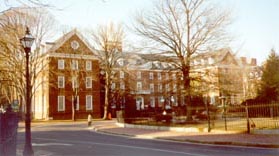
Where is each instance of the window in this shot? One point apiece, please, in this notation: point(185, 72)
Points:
point(121, 74)
point(88, 65)
point(139, 85)
point(113, 86)
point(161, 101)
point(74, 82)
point(167, 76)
point(88, 82)
point(159, 76)
point(61, 103)
point(152, 102)
point(151, 76)
point(174, 87)
point(122, 85)
point(139, 75)
point(121, 62)
point(74, 64)
point(60, 64)
point(77, 104)
point(167, 87)
point(173, 76)
point(88, 102)
point(160, 88)
point(61, 82)
point(151, 86)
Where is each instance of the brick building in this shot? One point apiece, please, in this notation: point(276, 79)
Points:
point(71, 71)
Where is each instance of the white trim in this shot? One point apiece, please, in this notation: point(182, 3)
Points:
point(61, 64)
point(63, 82)
point(63, 103)
point(88, 65)
point(89, 103)
point(88, 82)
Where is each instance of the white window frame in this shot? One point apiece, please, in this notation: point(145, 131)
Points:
point(77, 108)
point(159, 75)
point(61, 79)
point(74, 64)
point(167, 76)
point(112, 85)
point(139, 86)
point(139, 75)
point(151, 75)
point(61, 64)
point(88, 65)
point(152, 101)
point(160, 88)
point(61, 103)
point(89, 102)
point(174, 88)
point(122, 85)
point(121, 74)
point(88, 83)
point(151, 87)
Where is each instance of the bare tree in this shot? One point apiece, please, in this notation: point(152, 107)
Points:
point(108, 39)
point(13, 23)
point(184, 28)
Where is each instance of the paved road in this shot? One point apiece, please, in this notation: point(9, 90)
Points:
point(75, 139)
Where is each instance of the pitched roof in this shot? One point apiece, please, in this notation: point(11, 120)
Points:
point(58, 43)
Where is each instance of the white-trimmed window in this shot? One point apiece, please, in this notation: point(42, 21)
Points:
point(61, 64)
point(139, 75)
point(113, 86)
point(88, 65)
point(75, 64)
point(161, 101)
point(88, 104)
point(74, 82)
point(121, 75)
point(122, 85)
point(174, 88)
point(88, 82)
point(77, 104)
point(174, 76)
point(61, 81)
point(167, 87)
point(61, 103)
point(160, 88)
point(159, 75)
point(151, 75)
point(139, 86)
point(151, 87)
point(152, 102)
point(167, 76)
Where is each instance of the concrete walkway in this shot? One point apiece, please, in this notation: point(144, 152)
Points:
point(215, 137)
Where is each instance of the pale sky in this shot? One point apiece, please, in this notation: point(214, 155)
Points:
point(255, 26)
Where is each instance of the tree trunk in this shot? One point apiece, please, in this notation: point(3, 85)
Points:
point(186, 78)
point(106, 110)
point(74, 108)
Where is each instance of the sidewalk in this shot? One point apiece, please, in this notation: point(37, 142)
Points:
point(217, 137)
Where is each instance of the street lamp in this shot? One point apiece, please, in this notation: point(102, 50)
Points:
point(27, 42)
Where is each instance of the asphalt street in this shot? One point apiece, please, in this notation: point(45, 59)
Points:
point(75, 139)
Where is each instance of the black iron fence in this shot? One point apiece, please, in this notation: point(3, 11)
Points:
point(244, 117)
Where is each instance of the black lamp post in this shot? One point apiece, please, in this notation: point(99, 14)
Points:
point(27, 42)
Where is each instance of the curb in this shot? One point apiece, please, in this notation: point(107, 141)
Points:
point(190, 140)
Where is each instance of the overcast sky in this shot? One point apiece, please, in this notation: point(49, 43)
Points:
point(255, 25)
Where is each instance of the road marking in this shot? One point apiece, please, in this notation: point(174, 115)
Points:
point(125, 146)
point(51, 144)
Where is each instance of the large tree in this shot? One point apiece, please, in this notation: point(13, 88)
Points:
point(108, 41)
point(270, 78)
point(13, 23)
point(184, 28)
